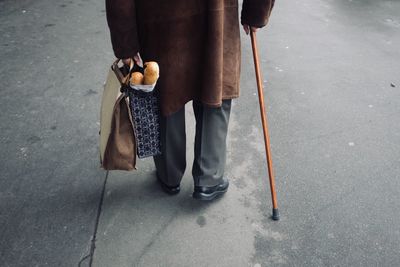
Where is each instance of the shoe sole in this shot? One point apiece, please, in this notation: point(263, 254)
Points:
point(208, 197)
point(167, 190)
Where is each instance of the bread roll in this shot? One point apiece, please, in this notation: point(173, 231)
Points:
point(137, 78)
point(151, 72)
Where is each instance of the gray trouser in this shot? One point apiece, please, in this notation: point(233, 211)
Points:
point(209, 149)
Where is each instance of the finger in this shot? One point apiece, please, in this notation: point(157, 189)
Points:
point(254, 29)
point(126, 61)
point(138, 59)
point(246, 28)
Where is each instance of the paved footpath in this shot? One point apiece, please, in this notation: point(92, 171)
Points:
point(332, 85)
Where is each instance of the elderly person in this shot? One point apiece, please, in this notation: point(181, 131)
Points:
point(197, 46)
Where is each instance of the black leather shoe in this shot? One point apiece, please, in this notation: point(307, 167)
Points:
point(210, 192)
point(171, 190)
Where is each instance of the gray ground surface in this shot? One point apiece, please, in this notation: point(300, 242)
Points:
point(334, 125)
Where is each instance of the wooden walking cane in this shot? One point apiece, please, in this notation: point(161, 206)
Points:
point(275, 212)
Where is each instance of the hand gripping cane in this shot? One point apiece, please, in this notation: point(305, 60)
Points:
point(275, 212)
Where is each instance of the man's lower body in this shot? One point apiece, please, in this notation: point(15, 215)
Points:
point(209, 150)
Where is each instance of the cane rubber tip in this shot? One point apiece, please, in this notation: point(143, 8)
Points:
point(275, 214)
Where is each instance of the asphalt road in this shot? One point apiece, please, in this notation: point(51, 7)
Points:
point(331, 70)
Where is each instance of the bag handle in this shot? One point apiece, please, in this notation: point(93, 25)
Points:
point(123, 79)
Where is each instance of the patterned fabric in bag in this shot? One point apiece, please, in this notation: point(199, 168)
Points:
point(146, 120)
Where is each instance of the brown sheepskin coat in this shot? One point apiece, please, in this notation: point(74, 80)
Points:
point(195, 42)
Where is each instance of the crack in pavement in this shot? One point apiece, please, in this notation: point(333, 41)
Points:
point(155, 237)
point(90, 255)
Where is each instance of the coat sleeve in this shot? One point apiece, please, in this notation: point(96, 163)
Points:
point(256, 13)
point(121, 19)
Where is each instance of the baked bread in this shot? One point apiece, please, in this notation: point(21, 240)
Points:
point(151, 72)
point(137, 78)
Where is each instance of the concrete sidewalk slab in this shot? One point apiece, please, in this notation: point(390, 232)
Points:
point(50, 181)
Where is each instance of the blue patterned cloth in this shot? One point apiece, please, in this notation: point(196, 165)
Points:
point(146, 117)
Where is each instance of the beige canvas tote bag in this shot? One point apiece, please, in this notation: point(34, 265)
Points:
point(117, 138)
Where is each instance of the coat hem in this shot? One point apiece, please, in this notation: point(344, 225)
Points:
point(214, 104)
point(218, 104)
